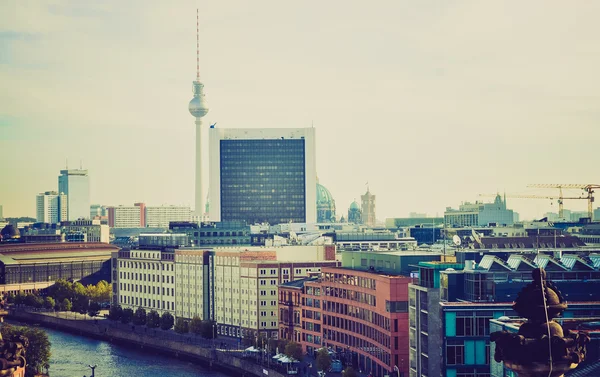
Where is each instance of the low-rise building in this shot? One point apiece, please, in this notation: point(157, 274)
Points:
point(93, 230)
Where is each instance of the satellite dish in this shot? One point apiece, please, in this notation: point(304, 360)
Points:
point(456, 240)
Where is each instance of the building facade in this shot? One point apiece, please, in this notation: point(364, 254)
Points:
point(368, 208)
point(194, 283)
point(263, 175)
point(75, 184)
point(161, 216)
point(93, 230)
point(363, 316)
point(145, 278)
point(51, 207)
point(127, 216)
point(480, 214)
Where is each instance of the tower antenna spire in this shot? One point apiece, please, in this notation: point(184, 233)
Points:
point(197, 46)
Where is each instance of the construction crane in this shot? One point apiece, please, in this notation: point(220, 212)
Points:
point(560, 199)
point(588, 188)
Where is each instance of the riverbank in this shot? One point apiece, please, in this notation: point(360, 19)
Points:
point(103, 329)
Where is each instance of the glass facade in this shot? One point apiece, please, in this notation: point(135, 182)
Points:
point(263, 181)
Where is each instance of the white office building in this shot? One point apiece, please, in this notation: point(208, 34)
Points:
point(160, 217)
point(265, 175)
point(75, 184)
point(51, 207)
point(145, 278)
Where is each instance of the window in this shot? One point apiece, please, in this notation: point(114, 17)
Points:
point(455, 352)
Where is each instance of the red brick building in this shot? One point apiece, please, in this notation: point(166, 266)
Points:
point(361, 315)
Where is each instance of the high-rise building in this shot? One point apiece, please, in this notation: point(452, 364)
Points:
point(198, 108)
point(75, 184)
point(263, 175)
point(368, 208)
point(51, 207)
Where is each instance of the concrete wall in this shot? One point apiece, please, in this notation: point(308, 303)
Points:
point(103, 330)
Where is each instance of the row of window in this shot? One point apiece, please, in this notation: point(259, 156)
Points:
point(142, 289)
point(356, 312)
point(357, 281)
point(147, 277)
point(146, 266)
point(148, 303)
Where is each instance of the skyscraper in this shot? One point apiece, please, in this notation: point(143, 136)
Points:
point(51, 207)
point(263, 175)
point(198, 108)
point(75, 184)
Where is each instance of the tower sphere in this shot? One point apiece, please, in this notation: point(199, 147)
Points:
point(198, 107)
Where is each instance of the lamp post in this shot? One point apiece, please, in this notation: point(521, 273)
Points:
point(93, 367)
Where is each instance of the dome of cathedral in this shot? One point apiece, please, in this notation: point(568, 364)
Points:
point(354, 205)
point(325, 205)
point(323, 195)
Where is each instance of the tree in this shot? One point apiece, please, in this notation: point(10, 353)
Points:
point(49, 303)
point(196, 325)
point(247, 339)
point(38, 352)
point(281, 344)
point(94, 309)
point(80, 298)
point(115, 312)
point(100, 292)
point(349, 372)
point(127, 316)
point(294, 351)
point(181, 326)
point(66, 305)
point(62, 289)
point(153, 319)
point(11, 298)
point(166, 321)
point(323, 360)
point(20, 299)
point(139, 318)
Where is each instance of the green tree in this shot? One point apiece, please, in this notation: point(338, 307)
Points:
point(100, 292)
point(30, 299)
point(181, 326)
point(139, 318)
point(62, 289)
point(38, 352)
point(153, 319)
point(293, 350)
point(11, 298)
point(323, 360)
point(127, 315)
point(20, 299)
point(94, 309)
point(281, 344)
point(66, 305)
point(49, 303)
point(196, 325)
point(115, 312)
point(81, 300)
point(166, 321)
point(349, 372)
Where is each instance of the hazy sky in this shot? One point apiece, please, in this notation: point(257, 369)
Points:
point(431, 102)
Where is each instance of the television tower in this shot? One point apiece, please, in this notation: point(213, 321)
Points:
point(198, 108)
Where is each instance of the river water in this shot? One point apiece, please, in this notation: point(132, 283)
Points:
point(71, 355)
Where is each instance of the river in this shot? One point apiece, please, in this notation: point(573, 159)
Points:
point(71, 355)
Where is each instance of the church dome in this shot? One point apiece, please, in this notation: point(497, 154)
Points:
point(323, 195)
point(325, 205)
point(354, 205)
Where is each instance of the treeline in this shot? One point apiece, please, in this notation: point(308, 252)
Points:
point(166, 321)
point(68, 296)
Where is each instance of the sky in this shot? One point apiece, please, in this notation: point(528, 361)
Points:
point(430, 102)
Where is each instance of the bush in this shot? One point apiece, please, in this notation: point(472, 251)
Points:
point(49, 303)
point(323, 360)
point(294, 350)
point(196, 326)
point(153, 319)
point(66, 305)
point(115, 313)
point(139, 318)
point(94, 309)
point(208, 329)
point(166, 321)
point(127, 316)
point(181, 326)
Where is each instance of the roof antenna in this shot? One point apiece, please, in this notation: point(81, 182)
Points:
point(197, 46)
